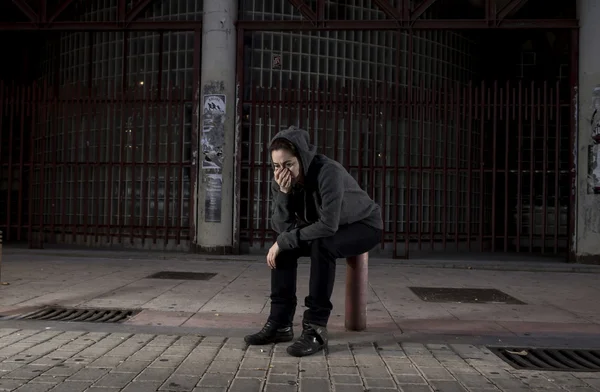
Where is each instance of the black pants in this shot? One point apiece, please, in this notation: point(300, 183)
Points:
point(350, 240)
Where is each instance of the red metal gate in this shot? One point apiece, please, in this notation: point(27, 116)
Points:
point(83, 166)
point(472, 167)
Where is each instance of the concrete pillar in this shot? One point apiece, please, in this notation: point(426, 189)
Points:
point(215, 183)
point(587, 233)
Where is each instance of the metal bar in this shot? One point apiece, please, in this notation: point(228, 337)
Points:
point(68, 109)
point(88, 105)
point(420, 114)
point(252, 158)
point(42, 172)
point(2, 103)
point(323, 108)
point(494, 160)
point(136, 10)
point(98, 169)
point(359, 119)
point(531, 167)
point(25, 98)
point(27, 10)
point(179, 98)
point(196, 156)
point(305, 10)
point(383, 157)
point(421, 9)
point(506, 157)
point(445, 170)
point(34, 104)
point(266, 95)
point(357, 287)
point(388, 9)
point(59, 10)
point(146, 148)
point(545, 166)
point(469, 164)
point(573, 143)
point(457, 205)
point(133, 167)
point(293, 25)
point(141, 25)
point(77, 151)
point(321, 9)
point(433, 91)
point(409, 99)
point(167, 169)
point(124, 130)
point(396, 132)
point(336, 118)
point(371, 137)
point(348, 95)
point(112, 109)
point(557, 146)
point(520, 166)
point(158, 119)
point(14, 97)
point(482, 165)
point(509, 8)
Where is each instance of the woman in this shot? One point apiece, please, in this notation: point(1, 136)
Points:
point(321, 212)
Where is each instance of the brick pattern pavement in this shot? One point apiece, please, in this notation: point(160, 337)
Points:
point(48, 360)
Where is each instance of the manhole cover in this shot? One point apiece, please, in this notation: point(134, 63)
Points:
point(181, 275)
point(548, 359)
point(77, 315)
point(464, 295)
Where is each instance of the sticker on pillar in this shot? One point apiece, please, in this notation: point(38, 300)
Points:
point(212, 200)
point(595, 123)
point(594, 169)
point(213, 131)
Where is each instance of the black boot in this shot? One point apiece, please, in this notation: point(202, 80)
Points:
point(271, 333)
point(313, 339)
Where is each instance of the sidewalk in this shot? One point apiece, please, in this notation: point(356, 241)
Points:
point(236, 301)
point(188, 336)
point(48, 360)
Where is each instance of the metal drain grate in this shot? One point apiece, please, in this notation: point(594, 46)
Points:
point(464, 295)
point(182, 275)
point(77, 315)
point(549, 359)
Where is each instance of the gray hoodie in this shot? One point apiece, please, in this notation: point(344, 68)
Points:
point(337, 199)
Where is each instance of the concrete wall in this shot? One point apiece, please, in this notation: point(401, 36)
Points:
point(588, 204)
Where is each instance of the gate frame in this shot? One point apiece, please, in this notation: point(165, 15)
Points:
point(405, 18)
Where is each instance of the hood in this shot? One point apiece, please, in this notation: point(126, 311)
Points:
point(301, 140)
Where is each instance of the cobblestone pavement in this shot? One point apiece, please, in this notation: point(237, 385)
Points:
point(70, 361)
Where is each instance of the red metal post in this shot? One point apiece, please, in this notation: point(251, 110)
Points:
point(557, 172)
point(507, 119)
point(531, 166)
point(545, 166)
point(447, 106)
point(420, 108)
point(168, 170)
point(433, 91)
point(357, 286)
point(458, 165)
point(520, 167)
point(24, 108)
point(482, 196)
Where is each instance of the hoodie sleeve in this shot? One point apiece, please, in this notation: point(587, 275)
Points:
point(331, 189)
point(282, 218)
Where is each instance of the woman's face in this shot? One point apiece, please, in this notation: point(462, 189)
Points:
point(284, 160)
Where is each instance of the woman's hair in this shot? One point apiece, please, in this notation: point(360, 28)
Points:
point(283, 144)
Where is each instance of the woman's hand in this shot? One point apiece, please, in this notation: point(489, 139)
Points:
point(272, 255)
point(283, 178)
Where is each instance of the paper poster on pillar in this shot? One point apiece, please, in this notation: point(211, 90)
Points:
point(212, 140)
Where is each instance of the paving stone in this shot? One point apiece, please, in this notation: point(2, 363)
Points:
point(115, 380)
point(154, 374)
point(71, 386)
point(216, 380)
point(448, 386)
point(224, 367)
point(281, 388)
point(48, 379)
point(131, 367)
point(141, 386)
point(89, 374)
point(415, 388)
point(249, 373)
point(34, 388)
point(314, 384)
point(64, 370)
point(28, 372)
point(9, 384)
point(346, 379)
point(379, 383)
point(436, 373)
point(410, 379)
point(345, 370)
point(180, 383)
point(282, 378)
point(283, 368)
point(348, 388)
point(246, 385)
